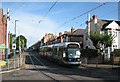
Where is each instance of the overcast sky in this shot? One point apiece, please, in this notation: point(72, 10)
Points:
point(30, 13)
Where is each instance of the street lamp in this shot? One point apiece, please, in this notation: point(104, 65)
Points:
point(15, 43)
point(7, 48)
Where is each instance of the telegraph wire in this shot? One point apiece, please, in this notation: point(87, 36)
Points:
point(49, 10)
point(84, 13)
point(17, 8)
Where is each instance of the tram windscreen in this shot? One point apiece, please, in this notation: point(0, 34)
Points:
point(73, 46)
point(73, 53)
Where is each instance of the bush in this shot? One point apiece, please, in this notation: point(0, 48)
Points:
point(117, 52)
point(89, 53)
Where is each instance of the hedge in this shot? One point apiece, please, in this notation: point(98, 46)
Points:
point(117, 52)
point(89, 53)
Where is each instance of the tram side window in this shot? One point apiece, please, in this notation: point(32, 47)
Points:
point(55, 51)
point(60, 52)
point(50, 51)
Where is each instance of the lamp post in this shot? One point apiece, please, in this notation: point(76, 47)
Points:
point(15, 43)
point(7, 48)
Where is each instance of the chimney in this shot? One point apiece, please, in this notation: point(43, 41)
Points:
point(72, 29)
point(95, 19)
point(60, 34)
point(1, 13)
point(65, 32)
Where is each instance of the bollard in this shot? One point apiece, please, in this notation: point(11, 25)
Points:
point(18, 62)
point(86, 61)
point(14, 63)
point(8, 64)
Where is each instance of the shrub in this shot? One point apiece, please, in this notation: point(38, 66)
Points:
point(89, 53)
point(117, 52)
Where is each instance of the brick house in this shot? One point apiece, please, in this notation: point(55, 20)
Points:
point(3, 26)
point(68, 36)
point(74, 36)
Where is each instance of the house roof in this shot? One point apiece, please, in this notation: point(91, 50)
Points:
point(108, 22)
point(118, 22)
point(104, 23)
point(78, 32)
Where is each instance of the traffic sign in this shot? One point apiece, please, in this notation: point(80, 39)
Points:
point(2, 46)
point(13, 46)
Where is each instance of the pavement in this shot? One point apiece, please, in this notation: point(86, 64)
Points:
point(100, 66)
point(104, 66)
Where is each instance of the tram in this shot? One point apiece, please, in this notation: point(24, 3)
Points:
point(63, 53)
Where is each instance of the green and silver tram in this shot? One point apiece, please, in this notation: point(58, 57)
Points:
point(63, 53)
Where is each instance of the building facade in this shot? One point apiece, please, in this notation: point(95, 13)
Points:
point(119, 10)
point(3, 26)
point(104, 26)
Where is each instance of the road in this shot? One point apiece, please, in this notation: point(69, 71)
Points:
point(37, 68)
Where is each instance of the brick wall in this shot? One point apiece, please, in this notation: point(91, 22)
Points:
point(3, 26)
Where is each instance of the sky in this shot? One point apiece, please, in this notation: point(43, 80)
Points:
point(30, 13)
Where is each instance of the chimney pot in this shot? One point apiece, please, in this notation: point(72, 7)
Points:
point(95, 17)
point(60, 34)
point(72, 29)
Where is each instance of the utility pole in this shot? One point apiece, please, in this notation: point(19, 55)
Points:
point(88, 24)
point(7, 48)
point(88, 31)
point(20, 51)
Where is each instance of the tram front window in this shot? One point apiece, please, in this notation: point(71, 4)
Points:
point(73, 53)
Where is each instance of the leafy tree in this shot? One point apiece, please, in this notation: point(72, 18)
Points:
point(12, 39)
point(23, 42)
point(95, 37)
point(105, 39)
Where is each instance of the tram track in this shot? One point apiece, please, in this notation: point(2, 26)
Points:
point(39, 70)
point(60, 73)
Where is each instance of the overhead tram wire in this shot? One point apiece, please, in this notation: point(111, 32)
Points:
point(49, 10)
point(17, 8)
point(84, 13)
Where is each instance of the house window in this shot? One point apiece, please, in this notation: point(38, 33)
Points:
point(114, 41)
point(109, 32)
point(115, 46)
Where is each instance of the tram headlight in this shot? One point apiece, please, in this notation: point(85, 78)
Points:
point(78, 53)
point(78, 59)
point(69, 59)
point(64, 55)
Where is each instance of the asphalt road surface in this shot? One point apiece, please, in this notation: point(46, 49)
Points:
point(38, 68)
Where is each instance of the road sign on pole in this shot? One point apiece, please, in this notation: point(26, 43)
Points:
point(13, 46)
point(2, 46)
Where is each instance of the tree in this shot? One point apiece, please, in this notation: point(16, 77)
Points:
point(103, 39)
point(23, 42)
point(12, 39)
point(97, 38)
point(107, 40)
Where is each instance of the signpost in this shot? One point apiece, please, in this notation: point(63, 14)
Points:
point(2, 46)
point(13, 46)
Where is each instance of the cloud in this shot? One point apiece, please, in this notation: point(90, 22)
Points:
point(29, 26)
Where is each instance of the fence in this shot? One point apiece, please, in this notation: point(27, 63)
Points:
point(14, 63)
